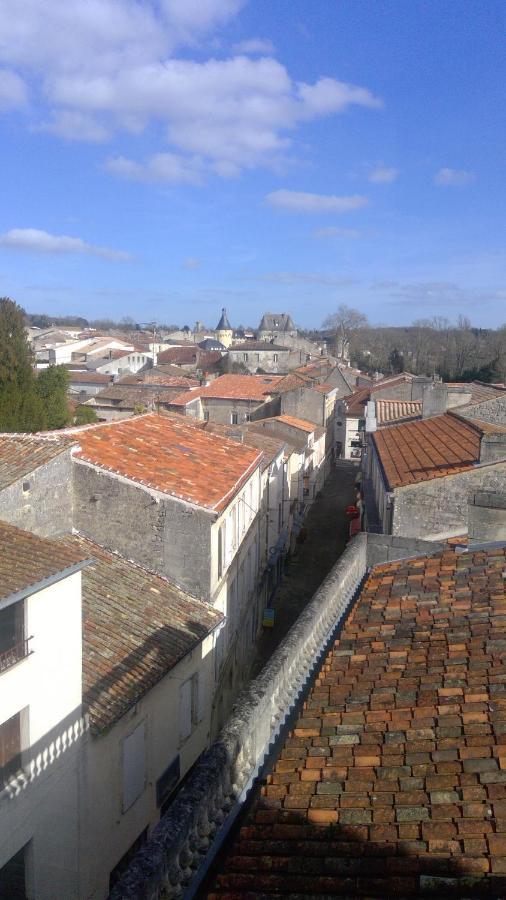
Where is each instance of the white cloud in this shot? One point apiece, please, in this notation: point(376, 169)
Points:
point(300, 201)
point(453, 177)
point(105, 66)
point(332, 231)
point(163, 167)
point(77, 126)
point(13, 91)
point(33, 240)
point(331, 96)
point(383, 175)
point(255, 46)
point(192, 263)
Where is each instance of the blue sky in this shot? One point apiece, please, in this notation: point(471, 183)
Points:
point(163, 158)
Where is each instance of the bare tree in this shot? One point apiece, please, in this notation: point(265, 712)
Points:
point(344, 322)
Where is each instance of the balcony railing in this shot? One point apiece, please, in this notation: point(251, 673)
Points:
point(15, 654)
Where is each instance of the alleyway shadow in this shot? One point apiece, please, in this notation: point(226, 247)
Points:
point(327, 534)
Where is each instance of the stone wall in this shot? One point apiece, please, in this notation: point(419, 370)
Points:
point(45, 505)
point(487, 517)
point(303, 403)
point(388, 548)
point(221, 411)
point(164, 535)
point(493, 411)
point(439, 508)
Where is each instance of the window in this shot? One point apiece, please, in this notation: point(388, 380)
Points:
point(221, 549)
point(191, 710)
point(245, 357)
point(13, 645)
point(234, 418)
point(26, 487)
point(10, 746)
point(258, 357)
point(167, 782)
point(206, 415)
point(134, 765)
point(275, 357)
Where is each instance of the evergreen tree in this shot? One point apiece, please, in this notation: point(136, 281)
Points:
point(85, 415)
point(21, 408)
point(52, 385)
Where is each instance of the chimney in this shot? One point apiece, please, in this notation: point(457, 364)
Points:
point(486, 518)
point(434, 399)
point(370, 416)
point(493, 447)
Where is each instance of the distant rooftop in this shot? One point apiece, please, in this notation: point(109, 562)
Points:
point(276, 322)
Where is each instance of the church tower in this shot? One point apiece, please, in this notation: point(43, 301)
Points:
point(224, 329)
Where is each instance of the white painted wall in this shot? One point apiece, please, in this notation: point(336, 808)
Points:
point(41, 807)
point(109, 830)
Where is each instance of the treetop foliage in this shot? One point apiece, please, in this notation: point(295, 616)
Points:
point(28, 402)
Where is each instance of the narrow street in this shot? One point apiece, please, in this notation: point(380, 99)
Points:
point(327, 533)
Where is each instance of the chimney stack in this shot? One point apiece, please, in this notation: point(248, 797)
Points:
point(486, 518)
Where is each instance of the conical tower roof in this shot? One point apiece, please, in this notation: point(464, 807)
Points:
point(224, 324)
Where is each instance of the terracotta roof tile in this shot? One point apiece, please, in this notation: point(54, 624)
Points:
point(136, 627)
point(429, 448)
point(171, 456)
point(301, 424)
point(27, 560)
point(393, 775)
point(234, 387)
point(356, 401)
point(21, 454)
point(89, 378)
point(390, 411)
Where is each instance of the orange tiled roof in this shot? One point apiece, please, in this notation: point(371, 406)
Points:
point(356, 401)
point(234, 387)
point(301, 424)
point(171, 456)
point(21, 454)
point(393, 775)
point(430, 448)
point(389, 411)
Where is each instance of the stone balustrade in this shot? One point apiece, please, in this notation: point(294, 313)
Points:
point(183, 838)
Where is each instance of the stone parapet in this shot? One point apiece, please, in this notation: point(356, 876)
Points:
point(183, 838)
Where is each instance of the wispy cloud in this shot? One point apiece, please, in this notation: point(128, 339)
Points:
point(300, 201)
point(192, 263)
point(294, 278)
point(333, 231)
point(13, 92)
point(33, 240)
point(383, 175)
point(255, 46)
point(453, 177)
